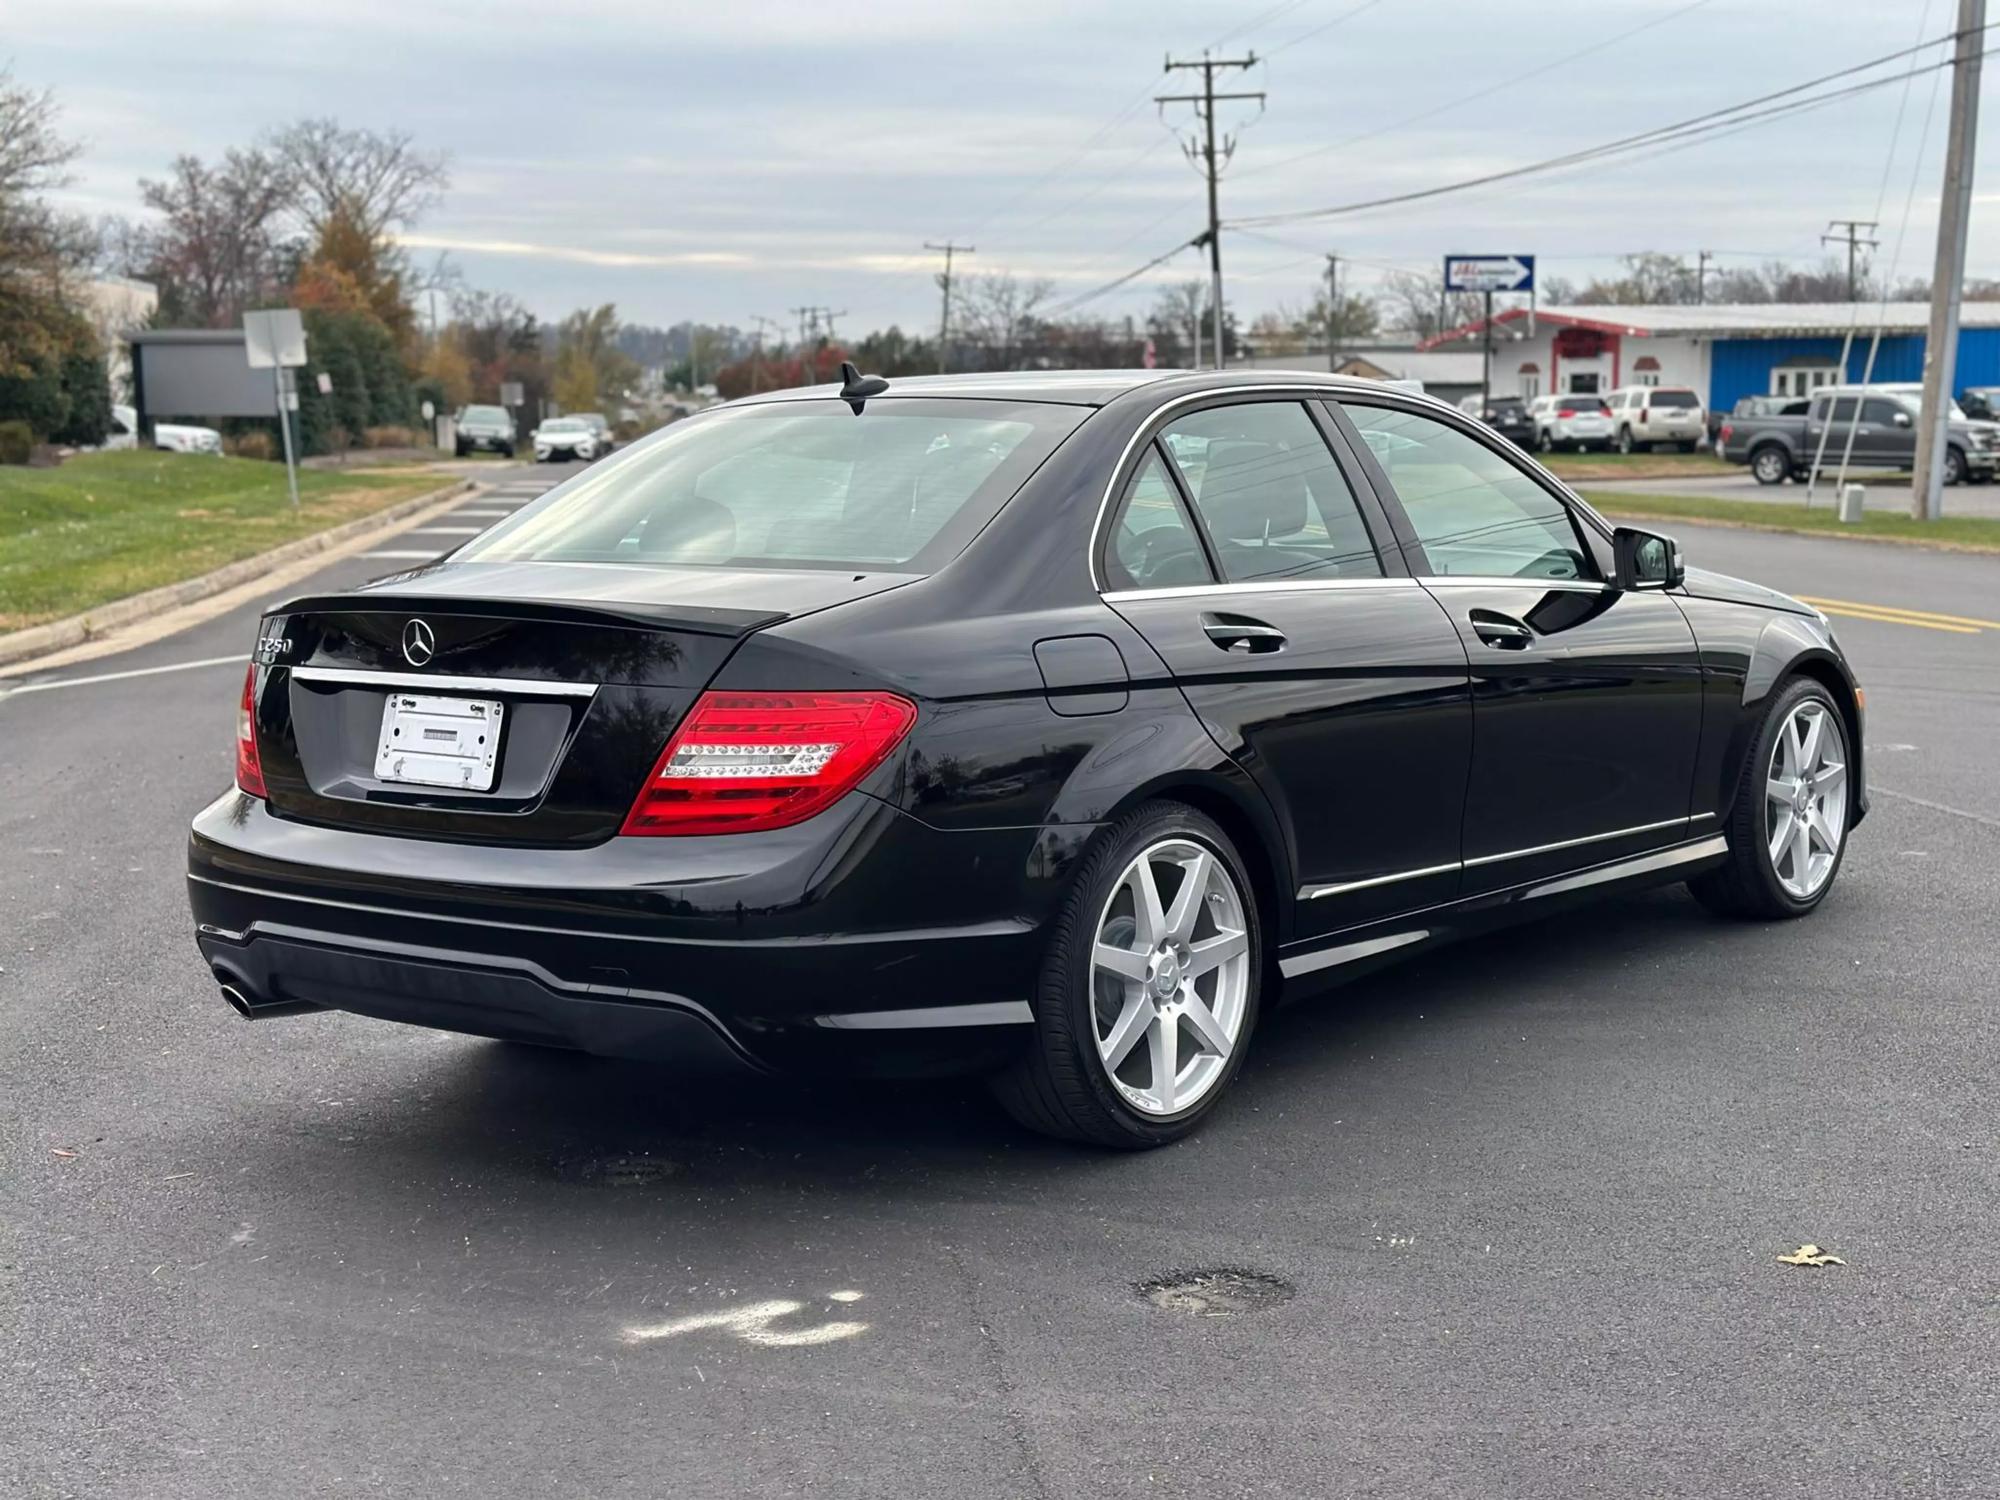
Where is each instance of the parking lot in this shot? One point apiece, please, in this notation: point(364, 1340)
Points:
point(1503, 1221)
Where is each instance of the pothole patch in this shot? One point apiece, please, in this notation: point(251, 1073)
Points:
point(1224, 1292)
point(641, 1170)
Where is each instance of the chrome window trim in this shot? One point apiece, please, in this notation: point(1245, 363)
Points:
point(366, 677)
point(1314, 892)
point(1150, 429)
point(1495, 580)
point(1256, 586)
point(1639, 864)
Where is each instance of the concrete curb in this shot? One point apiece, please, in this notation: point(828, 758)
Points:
point(60, 635)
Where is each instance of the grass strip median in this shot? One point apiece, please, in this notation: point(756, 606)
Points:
point(1576, 467)
point(1953, 533)
point(105, 525)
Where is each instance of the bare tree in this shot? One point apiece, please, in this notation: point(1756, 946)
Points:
point(382, 180)
point(1178, 320)
point(35, 240)
point(217, 248)
point(999, 314)
point(1416, 305)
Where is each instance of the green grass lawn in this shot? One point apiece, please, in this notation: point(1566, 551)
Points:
point(1964, 533)
point(105, 525)
point(1575, 466)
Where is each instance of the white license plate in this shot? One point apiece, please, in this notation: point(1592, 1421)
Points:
point(428, 741)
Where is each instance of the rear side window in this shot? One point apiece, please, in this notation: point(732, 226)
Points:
point(1675, 399)
point(1152, 544)
point(903, 485)
point(1473, 511)
point(1274, 503)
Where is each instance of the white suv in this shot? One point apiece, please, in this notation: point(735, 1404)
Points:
point(1649, 415)
point(1572, 420)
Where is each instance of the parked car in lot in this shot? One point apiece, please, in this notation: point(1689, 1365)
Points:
point(1752, 407)
point(1506, 415)
point(827, 729)
point(1646, 417)
point(1980, 402)
point(596, 422)
point(566, 438)
point(1868, 427)
point(174, 437)
point(1573, 421)
point(488, 428)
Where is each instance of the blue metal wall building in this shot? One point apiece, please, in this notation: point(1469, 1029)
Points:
point(1742, 367)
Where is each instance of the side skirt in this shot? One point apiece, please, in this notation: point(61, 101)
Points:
point(1361, 949)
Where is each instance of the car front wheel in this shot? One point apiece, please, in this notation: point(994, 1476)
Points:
point(1770, 465)
point(1149, 987)
point(1787, 827)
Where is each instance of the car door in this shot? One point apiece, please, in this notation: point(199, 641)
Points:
point(1271, 586)
point(1828, 424)
point(1887, 434)
point(1586, 700)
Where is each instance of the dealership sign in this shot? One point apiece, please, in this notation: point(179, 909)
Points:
point(1489, 273)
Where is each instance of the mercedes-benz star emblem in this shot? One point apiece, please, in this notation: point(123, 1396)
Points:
point(419, 644)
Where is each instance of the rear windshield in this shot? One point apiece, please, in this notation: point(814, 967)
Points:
point(793, 484)
point(485, 414)
point(1678, 400)
point(1580, 403)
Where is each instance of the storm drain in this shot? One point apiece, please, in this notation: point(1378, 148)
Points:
point(617, 1171)
point(1222, 1293)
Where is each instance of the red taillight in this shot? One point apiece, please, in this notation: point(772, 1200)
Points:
point(249, 769)
point(1566, 413)
point(746, 761)
point(1727, 431)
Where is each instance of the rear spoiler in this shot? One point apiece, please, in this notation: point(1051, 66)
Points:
point(697, 619)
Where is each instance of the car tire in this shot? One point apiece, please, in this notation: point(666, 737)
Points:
point(1954, 466)
point(1625, 443)
point(1066, 1084)
point(1753, 883)
point(1544, 443)
point(460, 445)
point(507, 450)
point(1770, 464)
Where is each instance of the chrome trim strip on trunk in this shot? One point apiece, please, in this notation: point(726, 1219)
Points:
point(988, 1013)
point(1664, 859)
point(366, 677)
point(1314, 892)
point(1348, 953)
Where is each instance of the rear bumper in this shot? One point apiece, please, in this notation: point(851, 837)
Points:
point(862, 941)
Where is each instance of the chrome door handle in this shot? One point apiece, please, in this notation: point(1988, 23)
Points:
point(1241, 634)
point(1500, 630)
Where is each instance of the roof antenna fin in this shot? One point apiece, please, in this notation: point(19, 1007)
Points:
point(856, 388)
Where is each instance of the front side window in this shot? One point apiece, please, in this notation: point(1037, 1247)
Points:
point(1152, 544)
point(1273, 501)
point(1881, 413)
point(1474, 513)
point(904, 484)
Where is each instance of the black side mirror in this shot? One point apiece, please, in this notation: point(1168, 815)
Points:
point(1647, 560)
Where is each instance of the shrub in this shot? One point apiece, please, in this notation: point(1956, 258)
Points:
point(260, 445)
point(393, 437)
point(87, 384)
point(17, 442)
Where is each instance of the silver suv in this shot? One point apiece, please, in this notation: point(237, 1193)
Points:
point(1645, 417)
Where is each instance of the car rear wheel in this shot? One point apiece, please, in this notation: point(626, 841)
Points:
point(1770, 465)
point(1149, 988)
point(1787, 828)
point(1954, 466)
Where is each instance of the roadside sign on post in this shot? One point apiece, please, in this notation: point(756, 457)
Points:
point(275, 340)
point(325, 383)
point(1489, 273)
point(510, 393)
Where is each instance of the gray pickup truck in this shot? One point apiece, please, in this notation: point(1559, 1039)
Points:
point(1884, 421)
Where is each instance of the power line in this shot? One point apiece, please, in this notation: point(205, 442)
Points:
point(1070, 304)
point(1854, 239)
point(1307, 36)
point(1007, 204)
point(1495, 88)
point(1718, 121)
point(1283, 7)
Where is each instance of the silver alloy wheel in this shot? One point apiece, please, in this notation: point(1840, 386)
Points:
point(1170, 968)
point(1805, 800)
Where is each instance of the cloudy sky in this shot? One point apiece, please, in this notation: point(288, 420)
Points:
point(727, 159)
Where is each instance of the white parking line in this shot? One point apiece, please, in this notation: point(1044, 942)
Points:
point(478, 515)
point(66, 682)
point(444, 530)
point(420, 556)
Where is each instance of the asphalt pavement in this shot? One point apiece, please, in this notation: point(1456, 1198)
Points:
point(1519, 1203)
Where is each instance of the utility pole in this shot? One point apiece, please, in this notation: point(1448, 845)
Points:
point(1486, 357)
point(1701, 274)
point(1854, 239)
point(1204, 104)
point(1332, 312)
point(944, 281)
point(757, 352)
point(1948, 278)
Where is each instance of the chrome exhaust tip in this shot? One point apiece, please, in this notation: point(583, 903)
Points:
point(238, 1001)
point(251, 1007)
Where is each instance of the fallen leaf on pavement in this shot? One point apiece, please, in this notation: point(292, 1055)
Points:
point(1810, 1255)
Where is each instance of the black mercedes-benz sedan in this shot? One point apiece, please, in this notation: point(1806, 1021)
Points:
point(1054, 726)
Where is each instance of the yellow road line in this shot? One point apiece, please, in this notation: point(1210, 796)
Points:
point(1882, 617)
point(1898, 610)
